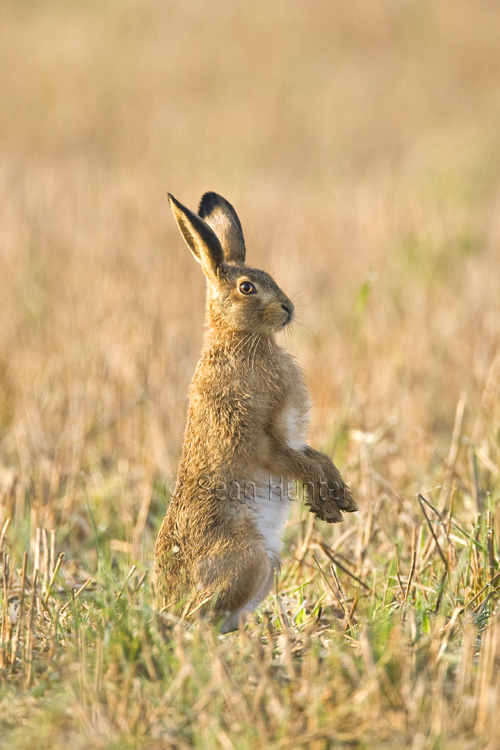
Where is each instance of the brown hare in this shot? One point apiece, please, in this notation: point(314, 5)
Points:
point(219, 545)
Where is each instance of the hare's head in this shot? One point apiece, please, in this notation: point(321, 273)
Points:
point(239, 298)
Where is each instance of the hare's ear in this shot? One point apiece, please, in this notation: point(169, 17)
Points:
point(223, 219)
point(200, 238)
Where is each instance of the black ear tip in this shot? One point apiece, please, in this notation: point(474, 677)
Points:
point(173, 200)
point(208, 202)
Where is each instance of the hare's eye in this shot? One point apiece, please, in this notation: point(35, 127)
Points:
point(246, 287)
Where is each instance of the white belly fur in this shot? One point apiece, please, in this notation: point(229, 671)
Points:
point(270, 509)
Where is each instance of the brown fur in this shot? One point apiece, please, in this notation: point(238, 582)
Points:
point(246, 421)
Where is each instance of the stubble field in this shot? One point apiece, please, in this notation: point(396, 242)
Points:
point(360, 145)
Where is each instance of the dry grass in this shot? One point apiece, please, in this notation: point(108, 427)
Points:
point(360, 146)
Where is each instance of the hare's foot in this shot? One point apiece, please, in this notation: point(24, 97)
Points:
point(233, 622)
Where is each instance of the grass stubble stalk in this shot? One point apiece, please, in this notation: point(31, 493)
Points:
point(29, 644)
point(17, 635)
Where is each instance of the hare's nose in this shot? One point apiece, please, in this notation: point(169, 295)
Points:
point(289, 309)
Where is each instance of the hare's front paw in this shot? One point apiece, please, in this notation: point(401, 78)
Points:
point(330, 495)
point(338, 491)
point(320, 503)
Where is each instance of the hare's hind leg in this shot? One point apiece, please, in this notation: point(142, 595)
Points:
point(239, 578)
point(232, 622)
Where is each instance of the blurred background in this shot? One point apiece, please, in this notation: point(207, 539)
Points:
point(359, 143)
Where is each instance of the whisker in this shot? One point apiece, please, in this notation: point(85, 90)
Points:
point(242, 343)
point(254, 348)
